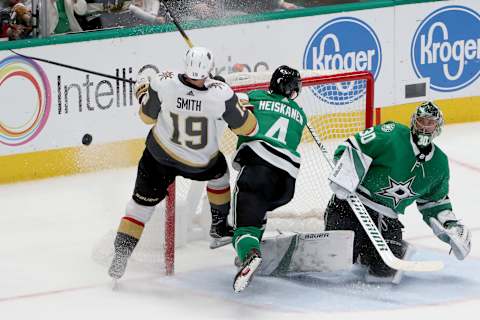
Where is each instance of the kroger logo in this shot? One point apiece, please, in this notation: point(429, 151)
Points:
point(446, 48)
point(343, 44)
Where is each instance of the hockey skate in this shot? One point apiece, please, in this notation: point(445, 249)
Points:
point(247, 270)
point(221, 233)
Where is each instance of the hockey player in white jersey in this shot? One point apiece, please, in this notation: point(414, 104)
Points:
point(185, 109)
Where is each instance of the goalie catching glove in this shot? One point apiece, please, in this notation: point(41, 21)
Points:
point(141, 90)
point(449, 229)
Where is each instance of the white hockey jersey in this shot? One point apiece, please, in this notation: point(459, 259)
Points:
point(188, 120)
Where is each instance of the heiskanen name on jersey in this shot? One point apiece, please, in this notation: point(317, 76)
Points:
point(282, 108)
point(281, 122)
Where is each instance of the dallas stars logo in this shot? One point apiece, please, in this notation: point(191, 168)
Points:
point(398, 191)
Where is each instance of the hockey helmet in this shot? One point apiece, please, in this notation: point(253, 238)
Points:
point(426, 123)
point(198, 63)
point(286, 81)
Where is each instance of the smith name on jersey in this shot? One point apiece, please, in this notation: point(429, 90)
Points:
point(280, 124)
point(397, 178)
point(188, 120)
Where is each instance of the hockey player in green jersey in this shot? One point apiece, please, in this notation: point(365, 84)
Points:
point(390, 166)
point(268, 164)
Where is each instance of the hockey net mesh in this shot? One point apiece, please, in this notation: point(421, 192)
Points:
point(335, 109)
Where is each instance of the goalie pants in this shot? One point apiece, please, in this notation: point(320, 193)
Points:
point(339, 216)
point(154, 178)
point(260, 187)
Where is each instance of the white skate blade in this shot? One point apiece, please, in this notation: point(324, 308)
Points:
point(244, 276)
point(220, 242)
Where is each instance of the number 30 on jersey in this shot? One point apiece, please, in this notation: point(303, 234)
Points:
point(367, 135)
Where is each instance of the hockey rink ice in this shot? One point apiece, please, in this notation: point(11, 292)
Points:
point(50, 227)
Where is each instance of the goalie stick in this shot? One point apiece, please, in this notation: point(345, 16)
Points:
point(371, 229)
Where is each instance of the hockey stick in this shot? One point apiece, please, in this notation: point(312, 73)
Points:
point(73, 67)
point(175, 22)
point(371, 229)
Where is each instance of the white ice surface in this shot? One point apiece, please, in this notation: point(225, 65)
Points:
point(49, 227)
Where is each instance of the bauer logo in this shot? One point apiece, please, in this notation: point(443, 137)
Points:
point(446, 48)
point(347, 44)
point(22, 117)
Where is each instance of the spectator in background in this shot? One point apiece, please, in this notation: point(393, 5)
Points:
point(4, 19)
point(20, 24)
point(73, 16)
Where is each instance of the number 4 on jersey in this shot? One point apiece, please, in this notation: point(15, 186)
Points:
point(278, 130)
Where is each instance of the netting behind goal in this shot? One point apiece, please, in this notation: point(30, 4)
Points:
point(337, 105)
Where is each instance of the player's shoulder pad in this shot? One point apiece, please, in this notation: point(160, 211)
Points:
point(391, 128)
point(219, 88)
point(388, 127)
point(258, 94)
point(162, 78)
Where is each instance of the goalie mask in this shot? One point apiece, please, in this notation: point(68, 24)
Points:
point(198, 63)
point(426, 123)
point(286, 82)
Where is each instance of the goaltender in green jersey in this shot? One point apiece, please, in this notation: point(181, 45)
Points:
point(390, 166)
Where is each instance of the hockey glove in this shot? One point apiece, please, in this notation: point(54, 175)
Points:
point(349, 170)
point(141, 90)
point(450, 230)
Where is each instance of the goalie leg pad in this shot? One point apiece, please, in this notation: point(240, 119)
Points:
point(307, 252)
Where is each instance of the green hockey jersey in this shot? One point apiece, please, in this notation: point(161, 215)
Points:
point(280, 126)
point(399, 174)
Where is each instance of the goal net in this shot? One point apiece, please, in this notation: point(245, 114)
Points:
point(337, 105)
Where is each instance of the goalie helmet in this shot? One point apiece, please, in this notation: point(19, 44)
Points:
point(286, 81)
point(198, 63)
point(426, 123)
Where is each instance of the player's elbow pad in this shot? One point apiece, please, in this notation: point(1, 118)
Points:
point(249, 126)
point(349, 171)
point(255, 129)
